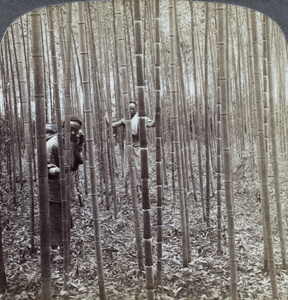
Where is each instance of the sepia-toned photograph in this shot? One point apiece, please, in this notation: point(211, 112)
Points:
point(143, 153)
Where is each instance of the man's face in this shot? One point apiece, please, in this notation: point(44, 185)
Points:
point(133, 110)
point(75, 127)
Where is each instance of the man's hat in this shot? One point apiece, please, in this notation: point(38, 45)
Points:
point(132, 103)
point(74, 118)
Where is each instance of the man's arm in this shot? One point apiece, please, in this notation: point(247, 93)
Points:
point(114, 124)
point(52, 160)
point(118, 123)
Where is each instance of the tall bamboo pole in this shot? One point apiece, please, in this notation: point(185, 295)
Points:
point(265, 83)
point(173, 72)
point(239, 82)
point(27, 64)
point(99, 93)
point(111, 148)
point(129, 46)
point(20, 123)
point(61, 36)
point(47, 116)
point(50, 88)
point(125, 96)
point(174, 189)
point(41, 155)
point(3, 280)
point(28, 154)
point(253, 126)
point(67, 145)
point(186, 130)
point(207, 216)
point(8, 111)
point(140, 85)
point(282, 87)
point(229, 94)
point(251, 72)
point(218, 152)
point(90, 148)
point(262, 156)
point(158, 140)
point(95, 103)
point(182, 119)
point(197, 117)
point(271, 90)
point(226, 151)
point(17, 140)
point(59, 135)
point(117, 76)
point(103, 107)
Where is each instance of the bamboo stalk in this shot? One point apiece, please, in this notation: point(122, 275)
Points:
point(41, 155)
point(129, 44)
point(144, 151)
point(18, 80)
point(158, 141)
point(95, 103)
point(101, 78)
point(13, 123)
point(28, 155)
point(187, 135)
point(65, 201)
point(197, 109)
point(3, 280)
point(90, 148)
point(110, 144)
point(271, 90)
point(218, 152)
point(59, 134)
point(263, 157)
point(226, 151)
point(252, 108)
point(173, 68)
point(207, 216)
point(117, 75)
point(17, 140)
point(5, 78)
point(125, 96)
point(27, 64)
point(239, 88)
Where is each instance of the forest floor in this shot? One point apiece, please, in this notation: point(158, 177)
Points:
point(207, 276)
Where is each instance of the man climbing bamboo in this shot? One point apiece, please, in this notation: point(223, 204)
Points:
point(135, 143)
point(53, 163)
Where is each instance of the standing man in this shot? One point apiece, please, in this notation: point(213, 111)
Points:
point(135, 144)
point(55, 205)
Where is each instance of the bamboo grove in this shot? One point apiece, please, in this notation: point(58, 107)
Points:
point(210, 75)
